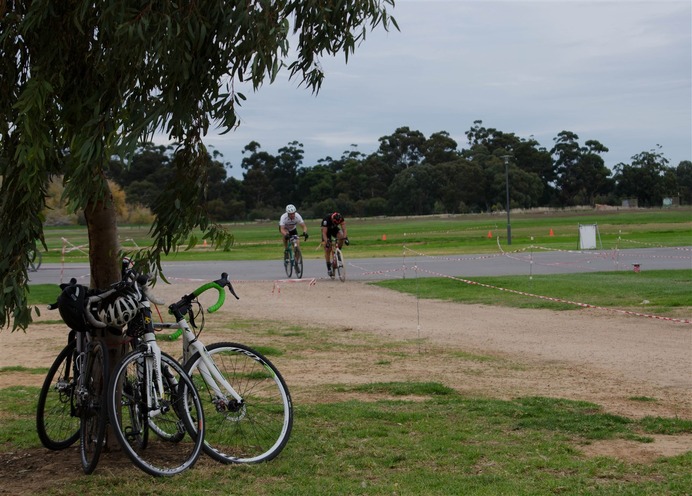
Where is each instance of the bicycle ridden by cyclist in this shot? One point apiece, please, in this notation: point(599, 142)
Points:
point(333, 226)
point(289, 222)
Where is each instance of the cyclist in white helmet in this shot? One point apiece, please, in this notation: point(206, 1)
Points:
point(289, 222)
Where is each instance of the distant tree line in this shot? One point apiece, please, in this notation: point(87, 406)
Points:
point(410, 174)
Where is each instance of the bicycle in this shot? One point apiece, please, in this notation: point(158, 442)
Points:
point(72, 400)
point(35, 259)
point(248, 408)
point(150, 391)
point(293, 257)
point(338, 262)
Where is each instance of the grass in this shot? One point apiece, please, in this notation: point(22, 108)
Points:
point(666, 292)
point(409, 436)
point(391, 437)
point(379, 237)
point(442, 444)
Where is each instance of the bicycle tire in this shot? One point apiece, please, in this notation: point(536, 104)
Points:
point(35, 259)
point(170, 385)
point(56, 423)
point(93, 410)
point(288, 263)
point(180, 411)
point(257, 430)
point(298, 262)
point(340, 267)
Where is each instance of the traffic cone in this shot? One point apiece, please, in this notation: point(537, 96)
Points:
point(384, 237)
point(205, 243)
point(551, 232)
point(490, 234)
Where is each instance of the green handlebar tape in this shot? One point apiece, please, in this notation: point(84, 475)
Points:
point(219, 302)
point(174, 336)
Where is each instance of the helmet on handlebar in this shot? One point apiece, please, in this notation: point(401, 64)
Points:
point(337, 218)
point(120, 308)
point(290, 209)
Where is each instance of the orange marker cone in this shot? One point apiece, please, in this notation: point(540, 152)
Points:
point(551, 232)
point(384, 237)
point(490, 234)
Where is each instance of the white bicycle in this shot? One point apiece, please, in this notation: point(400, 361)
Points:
point(248, 409)
point(149, 392)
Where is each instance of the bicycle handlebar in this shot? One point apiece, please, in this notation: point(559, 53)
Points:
point(183, 305)
point(218, 285)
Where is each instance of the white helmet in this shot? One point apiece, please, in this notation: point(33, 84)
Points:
point(290, 209)
point(119, 311)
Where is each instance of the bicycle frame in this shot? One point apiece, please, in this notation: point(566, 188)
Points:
point(209, 371)
point(336, 257)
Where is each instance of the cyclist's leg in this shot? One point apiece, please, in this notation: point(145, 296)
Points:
point(255, 430)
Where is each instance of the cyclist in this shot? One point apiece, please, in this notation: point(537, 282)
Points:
point(333, 226)
point(289, 222)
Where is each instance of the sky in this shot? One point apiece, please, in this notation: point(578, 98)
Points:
point(619, 72)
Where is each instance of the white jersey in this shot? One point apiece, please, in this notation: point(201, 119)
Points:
point(289, 223)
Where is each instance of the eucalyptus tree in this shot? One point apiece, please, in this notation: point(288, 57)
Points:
point(82, 81)
point(581, 171)
point(402, 149)
point(526, 154)
point(683, 172)
point(648, 178)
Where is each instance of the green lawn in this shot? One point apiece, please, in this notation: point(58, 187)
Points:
point(373, 237)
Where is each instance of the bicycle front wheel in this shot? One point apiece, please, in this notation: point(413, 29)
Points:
point(56, 422)
point(135, 406)
point(298, 263)
point(35, 259)
point(340, 266)
point(255, 429)
point(288, 263)
point(92, 405)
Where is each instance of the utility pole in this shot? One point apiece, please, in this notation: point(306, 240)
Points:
point(509, 225)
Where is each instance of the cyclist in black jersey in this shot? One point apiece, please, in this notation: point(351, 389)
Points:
point(333, 226)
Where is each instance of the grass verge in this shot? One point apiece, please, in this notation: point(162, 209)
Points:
point(662, 292)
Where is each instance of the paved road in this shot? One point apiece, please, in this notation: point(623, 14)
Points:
point(513, 263)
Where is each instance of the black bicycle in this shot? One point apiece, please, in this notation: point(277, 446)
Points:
point(72, 401)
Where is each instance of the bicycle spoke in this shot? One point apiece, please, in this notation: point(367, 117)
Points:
point(255, 430)
point(176, 417)
point(56, 423)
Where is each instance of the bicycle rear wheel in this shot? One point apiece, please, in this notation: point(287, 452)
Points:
point(255, 430)
point(288, 263)
point(298, 262)
point(56, 423)
point(179, 411)
point(92, 409)
point(340, 267)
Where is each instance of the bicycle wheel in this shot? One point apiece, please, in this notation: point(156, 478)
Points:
point(35, 259)
point(340, 267)
point(178, 411)
point(255, 430)
point(288, 265)
point(56, 422)
point(298, 262)
point(92, 405)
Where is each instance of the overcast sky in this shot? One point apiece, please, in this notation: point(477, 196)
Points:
point(619, 72)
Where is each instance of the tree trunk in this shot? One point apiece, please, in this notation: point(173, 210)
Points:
point(104, 249)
